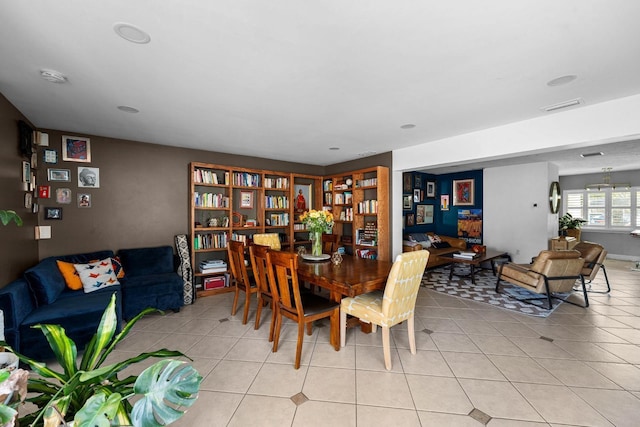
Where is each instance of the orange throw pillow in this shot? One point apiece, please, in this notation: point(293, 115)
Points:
point(71, 277)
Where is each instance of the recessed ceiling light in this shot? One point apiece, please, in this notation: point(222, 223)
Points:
point(334, 148)
point(128, 109)
point(131, 33)
point(53, 76)
point(408, 126)
point(599, 153)
point(367, 153)
point(563, 80)
point(561, 105)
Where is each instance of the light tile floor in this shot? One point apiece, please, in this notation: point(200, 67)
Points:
point(475, 365)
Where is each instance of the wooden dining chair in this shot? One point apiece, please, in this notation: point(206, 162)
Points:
point(235, 250)
point(258, 255)
point(299, 307)
point(329, 243)
point(393, 305)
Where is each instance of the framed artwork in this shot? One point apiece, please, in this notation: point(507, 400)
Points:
point(411, 220)
point(62, 175)
point(88, 177)
point(26, 172)
point(407, 182)
point(52, 213)
point(417, 181)
point(444, 202)
point(76, 149)
point(416, 195)
point(50, 156)
point(28, 200)
point(463, 192)
point(407, 202)
point(84, 200)
point(424, 214)
point(246, 199)
point(431, 189)
point(44, 191)
point(63, 196)
point(302, 196)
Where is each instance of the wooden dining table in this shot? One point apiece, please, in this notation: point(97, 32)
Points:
point(354, 276)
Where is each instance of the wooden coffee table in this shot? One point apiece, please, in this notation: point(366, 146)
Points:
point(474, 263)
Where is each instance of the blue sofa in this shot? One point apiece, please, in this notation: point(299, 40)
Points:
point(41, 296)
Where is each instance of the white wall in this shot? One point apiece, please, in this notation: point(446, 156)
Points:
point(610, 121)
point(516, 215)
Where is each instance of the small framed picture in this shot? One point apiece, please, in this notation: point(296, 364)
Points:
point(63, 196)
point(52, 213)
point(246, 199)
point(416, 195)
point(444, 202)
point(407, 182)
point(50, 156)
point(88, 177)
point(407, 202)
point(76, 149)
point(424, 214)
point(411, 220)
point(84, 200)
point(28, 200)
point(431, 189)
point(463, 192)
point(62, 175)
point(417, 181)
point(26, 172)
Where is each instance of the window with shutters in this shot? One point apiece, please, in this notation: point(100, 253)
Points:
point(604, 209)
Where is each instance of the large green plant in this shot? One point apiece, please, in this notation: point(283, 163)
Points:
point(8, 216)
point(568, 222)
point(93, 395)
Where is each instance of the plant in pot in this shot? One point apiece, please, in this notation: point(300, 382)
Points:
point(570, 226)
point(91, 393)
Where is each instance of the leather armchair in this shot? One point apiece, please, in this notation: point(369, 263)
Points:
point(551, 272)
point(594, 255)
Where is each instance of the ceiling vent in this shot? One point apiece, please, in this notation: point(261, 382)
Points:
point(562, 105)
point(599, 153)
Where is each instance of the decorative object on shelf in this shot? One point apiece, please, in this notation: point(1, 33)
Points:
point(88, 177)
point(59, 175)
point(570, 226)
point(317, 222)
point(431, 189)
point(52, 213)
point(463, 192)
point(554, 197)
point(246, 200)
point(76, 149)
point(336, 258)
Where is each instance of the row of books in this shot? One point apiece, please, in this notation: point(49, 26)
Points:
point(280, 219)
point(279, 183)
point(327, 185)
point(367, 253)
point(245, 179)
point(207, 176)
point(210, 241)
point(344, 198)
point(465, 255)
point(369, 182)
point(210, 200)
point(276, 202)
point(368, 206)
point(346, 214)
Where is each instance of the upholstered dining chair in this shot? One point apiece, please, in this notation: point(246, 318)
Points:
point(268, 239)
point(551, 273)
point(594, 255)
point(393, 305)
point(329, 243)
point(258, 255)
point(235, 250)
point(301, 308)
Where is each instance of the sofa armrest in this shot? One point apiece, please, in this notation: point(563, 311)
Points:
point(16, 303)
point(454, 242)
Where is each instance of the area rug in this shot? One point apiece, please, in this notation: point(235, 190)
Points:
point(484, 291)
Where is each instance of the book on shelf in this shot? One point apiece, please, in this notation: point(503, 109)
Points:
point(465, 255)
point(212, 266)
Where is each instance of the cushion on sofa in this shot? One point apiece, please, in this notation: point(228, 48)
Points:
point(97, 275)
point(145, 261)
point(70, 274)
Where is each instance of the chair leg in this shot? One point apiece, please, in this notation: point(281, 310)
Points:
point(234, 307)
point(412, 335)
point(273, 321)
point(374, 327)
point(584, 292)
point(546, 284)
point(606, 278)
point(247, 300)
point(309, 328)
point(258, 311)
point(343, 328)
point(299, 345)
point(276, 336)
point(386, 347)
point(498, 284)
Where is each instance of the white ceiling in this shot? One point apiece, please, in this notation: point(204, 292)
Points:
point(290, 79)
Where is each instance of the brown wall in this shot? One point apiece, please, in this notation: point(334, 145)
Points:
point(18, 249)
point(142, 199)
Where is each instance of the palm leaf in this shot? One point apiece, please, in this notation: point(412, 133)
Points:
point(63, 347)
point(103, 336)
point(167, 381)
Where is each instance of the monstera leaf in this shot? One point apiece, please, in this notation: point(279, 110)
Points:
point(166, 386)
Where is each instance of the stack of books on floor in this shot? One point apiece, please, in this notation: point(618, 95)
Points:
point(213, 266)
point(465, 255)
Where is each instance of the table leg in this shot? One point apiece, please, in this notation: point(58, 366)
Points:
point(451, 270)
point(473, 274)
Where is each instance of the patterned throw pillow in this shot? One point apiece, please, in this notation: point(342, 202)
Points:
point(70, 274)
point(117, 267)
point(97, 275)
point(434, 238)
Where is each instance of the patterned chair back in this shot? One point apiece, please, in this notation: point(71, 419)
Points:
point(402, 286)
